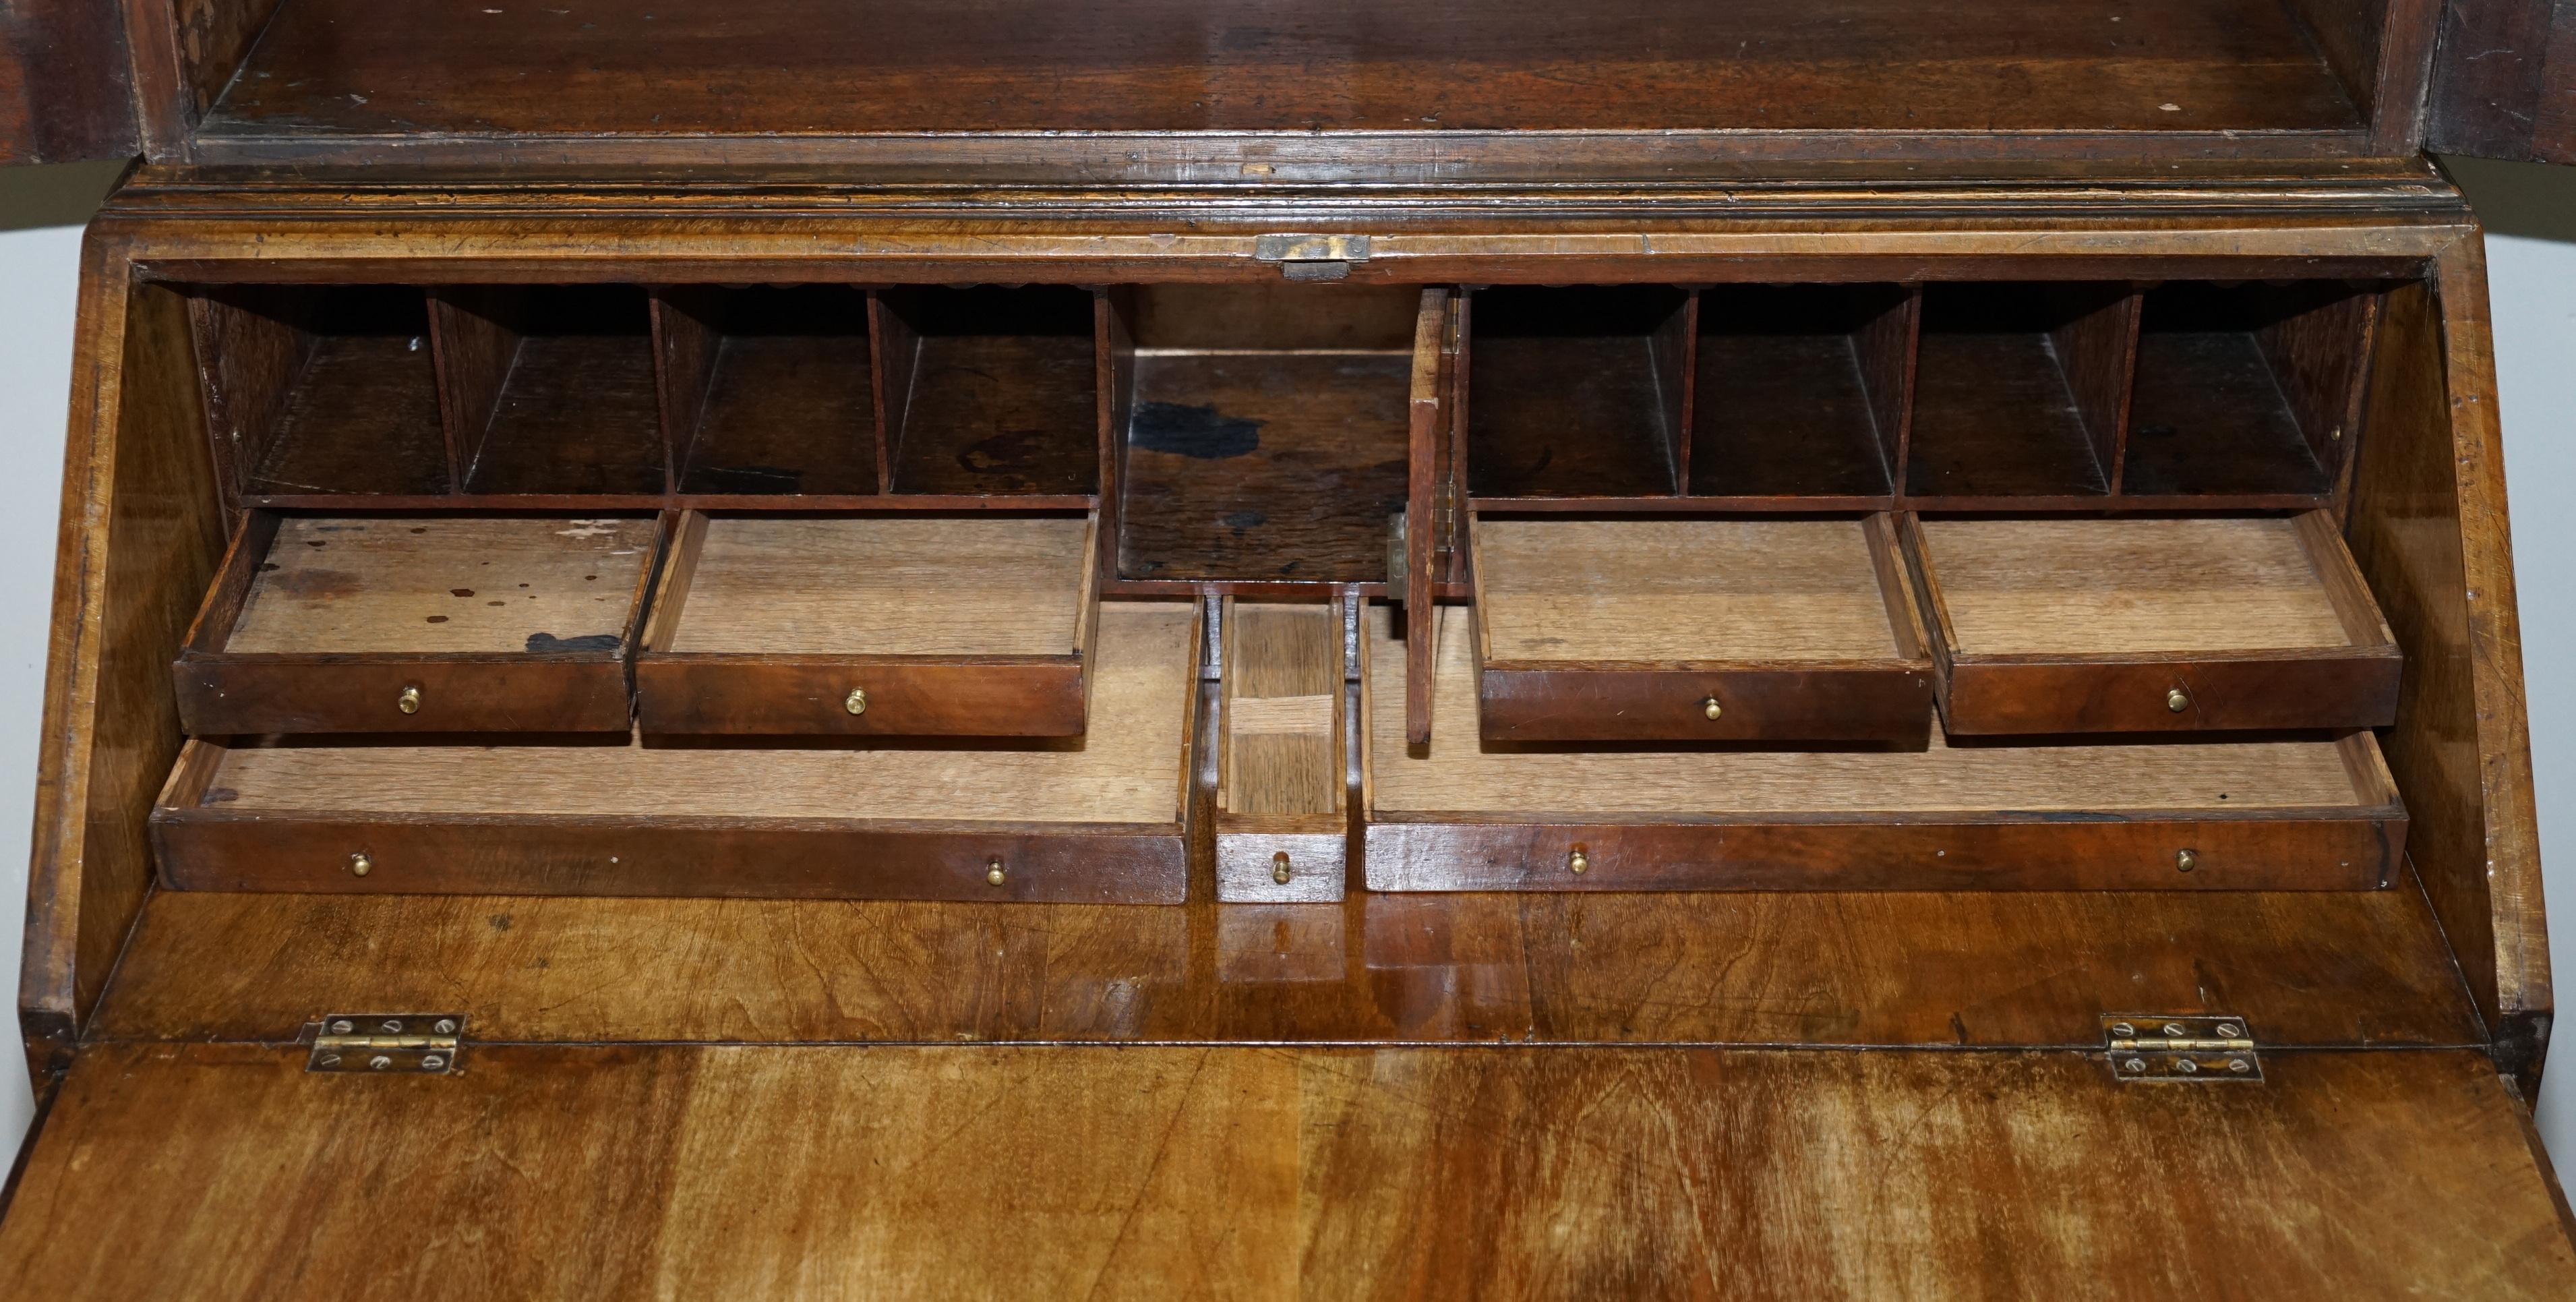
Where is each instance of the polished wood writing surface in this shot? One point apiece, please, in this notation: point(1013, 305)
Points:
point(1326, 1173)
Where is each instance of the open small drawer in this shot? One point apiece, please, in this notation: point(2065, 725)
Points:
point(418, 623)
point(1100, 819)
point(2151, 625)
point(1282, 816)
point(1697, 630)
point(902, 625)
point(1466, 814)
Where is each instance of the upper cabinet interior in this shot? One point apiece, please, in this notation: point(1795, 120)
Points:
point(1253, 91)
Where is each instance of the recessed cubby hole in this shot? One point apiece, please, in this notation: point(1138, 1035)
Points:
point(1575, 391)
point(1263, 428)
point(2246, 388)
point(551, 389)
point(1800, 389)
point(327, 389)
point(2019, 389)
point(991, 389)
point(769, 390)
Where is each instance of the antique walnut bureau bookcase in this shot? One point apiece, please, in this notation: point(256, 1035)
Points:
point(1325, 649)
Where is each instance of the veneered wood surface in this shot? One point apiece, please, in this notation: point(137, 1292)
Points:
point(1399, 1172)
point(1263, 464)
point(1980, 968)
point(1282, 715)
point(329, 68)
point(444, 584)
point(66, 83)
point(2504, 81)
point(2027, 587)
point(1679, 591)
point(1458, 775)
point(911, 586)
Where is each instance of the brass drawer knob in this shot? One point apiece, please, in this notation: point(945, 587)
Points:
point(1712, 709)
point(360, 865)
point(857, 701)
point(2177, 701)
point(1279, 867)
point(2186, 860)
point(1578, 862)
point(409, 701)
point(992, 868)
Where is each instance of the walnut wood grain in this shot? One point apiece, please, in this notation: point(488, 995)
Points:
point(1285, 1174)
point(1281, 813)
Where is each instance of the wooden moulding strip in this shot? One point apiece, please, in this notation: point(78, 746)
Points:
point(1072, 822)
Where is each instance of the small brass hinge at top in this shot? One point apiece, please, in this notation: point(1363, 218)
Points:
point(1395, 560)
point(1312, 257)
point(2180, 1047)
point(411, 1044)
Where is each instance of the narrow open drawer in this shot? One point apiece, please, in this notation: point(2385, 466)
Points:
point(920, 625)
point(1697, 630)
point(1467, 814)
point(1282, 813)
point(2176, 625)
point(428, 623)
point(1102, 818)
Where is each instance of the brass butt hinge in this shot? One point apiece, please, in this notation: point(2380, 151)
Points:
point(2158, 1047)
point(1312, 257)
point(410, 1044)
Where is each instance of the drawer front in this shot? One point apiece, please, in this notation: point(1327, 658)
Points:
point(539, 856)
point(232, 696)
point(1249, 866)
point(2326, 692)
point(686, 694)
point(2340, 852)
point(1829, 705)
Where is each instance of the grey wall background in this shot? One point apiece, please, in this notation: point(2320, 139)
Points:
point(2530, 213)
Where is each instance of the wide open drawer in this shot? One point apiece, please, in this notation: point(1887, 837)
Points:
point(418, 623)
point(1697, 630)
point(929, 625)
point(1470, 814)
point(1102, 818)
point(2174, 625)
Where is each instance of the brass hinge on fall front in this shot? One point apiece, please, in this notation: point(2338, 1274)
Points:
point(1396, 563)
point(1312, 257)
point(2158, 1047)
point(411, 1044)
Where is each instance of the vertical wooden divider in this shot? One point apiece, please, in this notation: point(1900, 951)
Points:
point(1676, 345)
point(248, 362)
point(473, 348)
point(2320, 357)
point(1113, 333)
point(2099, 353)
point(1886, 346)
point(1427, 472)
point(894, 348)
point(686, 342)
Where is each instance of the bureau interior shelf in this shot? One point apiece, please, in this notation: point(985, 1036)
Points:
point(1577, 391)
point(1261, 429)
point(1467, 814)
point(990, 390)
point(770, 390)
point(1800, 390)
point(2247, 388)
point(551, 389)
point(1102, 818)
point(323, 389)
point(2018, 390)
